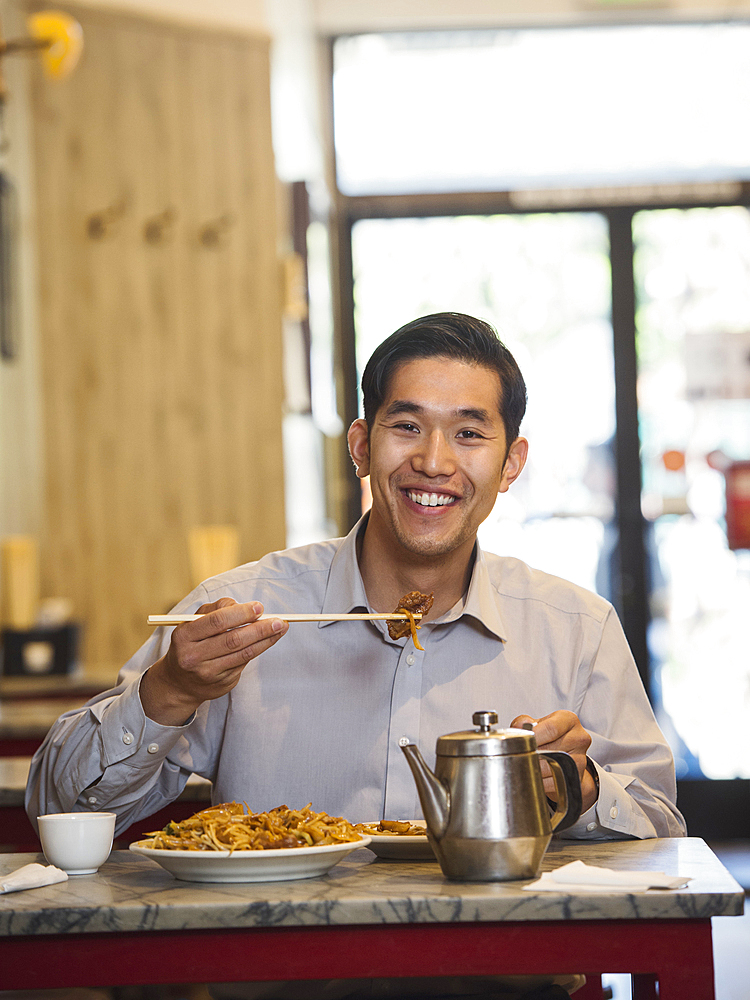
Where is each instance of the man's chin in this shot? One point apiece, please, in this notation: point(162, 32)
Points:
point(428, 546)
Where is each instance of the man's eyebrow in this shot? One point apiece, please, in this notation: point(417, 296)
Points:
point(478, 414)
point(403, 406)
point(474, 413)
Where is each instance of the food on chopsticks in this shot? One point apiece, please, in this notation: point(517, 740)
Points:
point(410, 604)
point(230, 827)
point(391, 827)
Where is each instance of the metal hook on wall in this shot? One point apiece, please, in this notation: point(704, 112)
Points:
point(99, 224)
point(158, 229)
point(214, 234)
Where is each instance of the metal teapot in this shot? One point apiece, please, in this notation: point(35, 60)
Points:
point(488, 819)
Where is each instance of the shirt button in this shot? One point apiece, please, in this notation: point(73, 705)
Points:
point(410, 659)
point(127, 738)
point(591, 827)
point(92, 800)
point(153, 748)
point(613, 812)
point(404, 741)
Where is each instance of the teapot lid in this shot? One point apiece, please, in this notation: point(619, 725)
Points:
point(484, 741)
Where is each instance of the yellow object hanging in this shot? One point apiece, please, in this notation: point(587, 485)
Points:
point(63, 38)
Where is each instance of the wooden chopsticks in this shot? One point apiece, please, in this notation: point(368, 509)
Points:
point(395, 616)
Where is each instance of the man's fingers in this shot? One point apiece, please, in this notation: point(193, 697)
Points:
point(549, 788)
point(250, 640)
point(230, 648)
point(223, 602)
point(212, 667)
point(560, 730)
point(551, 730)
point(224, 640)
point(220, 617)
point(523, 722)
point(260, 647)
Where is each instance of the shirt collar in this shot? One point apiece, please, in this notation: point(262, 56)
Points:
point(345, 590)
point(481, 600)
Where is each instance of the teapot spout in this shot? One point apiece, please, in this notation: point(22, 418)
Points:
point(432, 793)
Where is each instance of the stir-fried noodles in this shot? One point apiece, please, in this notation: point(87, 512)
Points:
point(229, 827)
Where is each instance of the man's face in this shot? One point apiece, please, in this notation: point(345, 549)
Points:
point(436, 455)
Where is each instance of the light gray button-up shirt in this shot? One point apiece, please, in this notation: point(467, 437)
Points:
point(320, 717)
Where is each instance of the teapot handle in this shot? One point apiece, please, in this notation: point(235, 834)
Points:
point(568, 787)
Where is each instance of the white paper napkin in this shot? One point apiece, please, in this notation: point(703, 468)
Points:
point(32, 877)
point(580, 877)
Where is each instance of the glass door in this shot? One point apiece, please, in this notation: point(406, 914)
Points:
point(543, 280)
point(692, 269)
point(683, 287)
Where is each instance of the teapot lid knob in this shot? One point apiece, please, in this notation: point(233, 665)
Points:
point(483, 720)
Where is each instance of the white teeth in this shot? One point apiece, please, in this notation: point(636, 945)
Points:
point(431, 499)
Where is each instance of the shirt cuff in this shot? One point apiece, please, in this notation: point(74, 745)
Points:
point(611, 816)
point(127, 733)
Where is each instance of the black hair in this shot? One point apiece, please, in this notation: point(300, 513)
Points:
point(447, 335)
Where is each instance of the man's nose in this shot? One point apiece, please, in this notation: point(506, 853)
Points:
point(434, 455)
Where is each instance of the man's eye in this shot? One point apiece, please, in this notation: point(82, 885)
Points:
point(469, 434)
point(407, 427)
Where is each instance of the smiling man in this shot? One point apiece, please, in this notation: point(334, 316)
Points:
point(274, 713)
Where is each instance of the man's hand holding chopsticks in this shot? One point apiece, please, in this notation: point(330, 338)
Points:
point(206, 658)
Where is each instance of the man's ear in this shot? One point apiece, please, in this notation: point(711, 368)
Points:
point(358, 440)
point(514, 463)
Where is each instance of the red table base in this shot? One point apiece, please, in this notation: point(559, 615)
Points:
point(675, 953)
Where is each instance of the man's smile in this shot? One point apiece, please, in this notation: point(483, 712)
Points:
point(429, 499)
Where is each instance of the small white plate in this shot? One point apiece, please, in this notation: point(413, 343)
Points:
point(397, 847)
point(249, 866)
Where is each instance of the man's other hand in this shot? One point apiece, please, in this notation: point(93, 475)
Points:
point(206, 658)
point(562, 730)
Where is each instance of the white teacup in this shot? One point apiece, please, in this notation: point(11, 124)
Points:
point(77, 842)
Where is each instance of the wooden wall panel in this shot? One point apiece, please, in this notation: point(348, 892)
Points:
point(161, 358)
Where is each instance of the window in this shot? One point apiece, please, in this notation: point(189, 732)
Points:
point(501, 110)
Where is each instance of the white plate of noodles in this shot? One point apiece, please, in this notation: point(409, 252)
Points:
point(253, 857)
point(249, 866)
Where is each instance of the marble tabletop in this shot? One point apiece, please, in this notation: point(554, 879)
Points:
point(133, 893)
